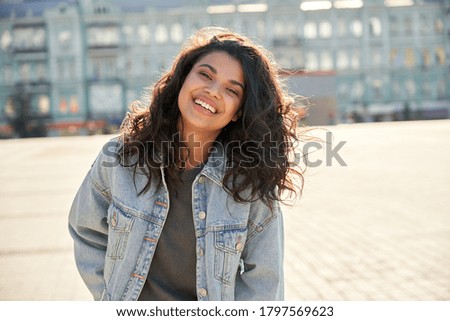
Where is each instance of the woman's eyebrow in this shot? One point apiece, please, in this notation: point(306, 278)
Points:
point(214, 71)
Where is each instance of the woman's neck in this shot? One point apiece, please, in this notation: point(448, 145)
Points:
point(196, 148)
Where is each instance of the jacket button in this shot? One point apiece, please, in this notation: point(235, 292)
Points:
point(201, 180)
point(202, 292)
point(201, 252)
point(239, 246)
point(202, 215)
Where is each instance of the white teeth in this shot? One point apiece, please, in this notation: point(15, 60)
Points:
point(206, 106)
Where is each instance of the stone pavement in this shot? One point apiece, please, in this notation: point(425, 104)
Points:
point(376, 229)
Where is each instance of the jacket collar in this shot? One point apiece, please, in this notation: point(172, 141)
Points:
point(216, 166)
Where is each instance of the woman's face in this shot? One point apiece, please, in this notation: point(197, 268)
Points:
point(212, 94)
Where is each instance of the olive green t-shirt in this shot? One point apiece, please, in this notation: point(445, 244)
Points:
point(172, 275)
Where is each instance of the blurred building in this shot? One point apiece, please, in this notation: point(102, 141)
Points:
point(74, 66)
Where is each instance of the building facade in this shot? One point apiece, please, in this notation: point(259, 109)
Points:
point(70, 66)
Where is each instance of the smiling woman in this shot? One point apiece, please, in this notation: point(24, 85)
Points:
point(184, 205)
point(210, 96)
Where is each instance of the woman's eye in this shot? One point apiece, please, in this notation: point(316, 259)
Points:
point(206, 75)
point(232, 91)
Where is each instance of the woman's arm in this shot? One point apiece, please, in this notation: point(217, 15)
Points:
point(262, 275)
point(89, 230)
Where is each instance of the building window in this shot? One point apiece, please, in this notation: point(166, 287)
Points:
point(109, 67)
point(128, 32)
point(144, 34)
point(357, 28)
point(342, 27)
point(410, 58)
point(176, 33)
point(408, 25)
point(39, 38)
point(356, 59)
point(104, 68)
point(96, 69)
point(375, 27)
point(103, 36)
point(396, 58)
point(376, 57)
point(424, 24)
point(161, 35)
point(66, 69)
point(6, 40)
point(9, 107)
point(25, 72)
point(311, 62)
point(326, 61)
point(41, 71)
point(21, 38)
point(62, 105)
point(325, 29)
point(410, 87)
point(427, 91)
point(101, 9)
point(393, 25)
point(342, 62)
point(426, 58)
point(74, 107)
point(64, 39)
point(7, 75)
point(27, 38)
point(357, 90)
point(310, 30)
point(377, 88)
point(438, 26)
point(440, 56)
point(44, 104)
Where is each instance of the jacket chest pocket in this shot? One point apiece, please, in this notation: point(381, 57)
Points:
point(120, 224)
point(229, 244)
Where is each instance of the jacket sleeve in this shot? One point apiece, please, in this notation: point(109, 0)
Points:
point(89, 230)
point(261, 276)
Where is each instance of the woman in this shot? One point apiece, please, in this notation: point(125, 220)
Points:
point(184, 205)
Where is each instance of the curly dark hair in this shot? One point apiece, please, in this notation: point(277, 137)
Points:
point(265, 132)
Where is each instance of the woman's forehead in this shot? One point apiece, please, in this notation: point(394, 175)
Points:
point(221, 62)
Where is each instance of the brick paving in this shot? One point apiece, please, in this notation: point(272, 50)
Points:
point(376, 229)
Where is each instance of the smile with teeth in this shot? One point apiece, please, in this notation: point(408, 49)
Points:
point(206, 106)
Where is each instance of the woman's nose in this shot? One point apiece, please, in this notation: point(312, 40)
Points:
point(213, 90)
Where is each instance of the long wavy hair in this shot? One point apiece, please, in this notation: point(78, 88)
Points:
point(259, 143)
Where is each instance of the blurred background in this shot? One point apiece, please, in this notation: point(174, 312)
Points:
point(73, 67)
point(374, 228)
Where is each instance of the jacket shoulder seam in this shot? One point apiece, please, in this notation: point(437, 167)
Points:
point(100, 189)
point(255, 229)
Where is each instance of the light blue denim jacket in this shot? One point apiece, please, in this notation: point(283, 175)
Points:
point(239, 246)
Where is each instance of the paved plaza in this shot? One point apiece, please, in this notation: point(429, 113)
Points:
point(375, 229)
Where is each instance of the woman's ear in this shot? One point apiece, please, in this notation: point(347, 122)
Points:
point(237, 115)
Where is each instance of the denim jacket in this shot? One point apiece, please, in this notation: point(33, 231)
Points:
point(239, 246)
